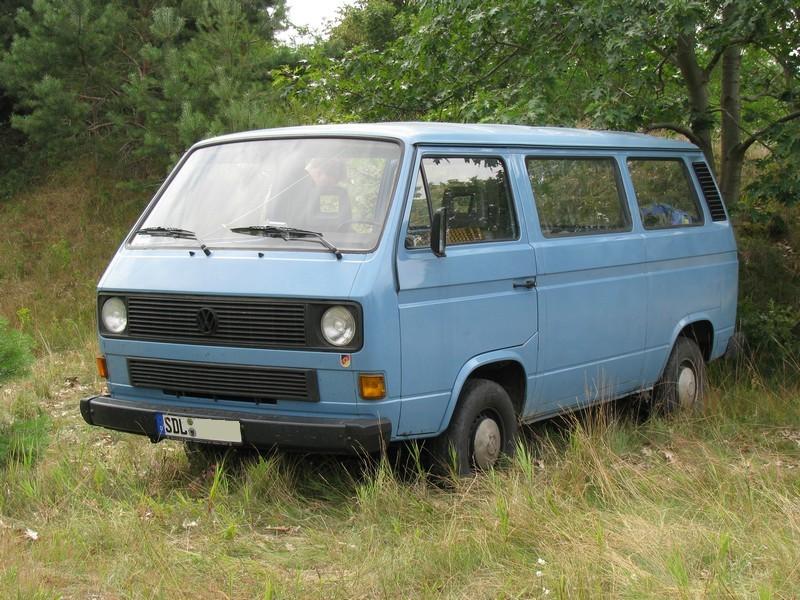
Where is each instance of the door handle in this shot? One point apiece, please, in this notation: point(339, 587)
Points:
point(528, 284)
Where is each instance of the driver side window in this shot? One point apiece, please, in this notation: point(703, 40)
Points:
point(476, 194)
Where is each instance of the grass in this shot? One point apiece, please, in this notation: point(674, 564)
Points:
point(57, 239)
point(15, 351)
point(603, 504)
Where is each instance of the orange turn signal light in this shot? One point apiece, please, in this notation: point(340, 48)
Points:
point(371, 386)
point(102, 368)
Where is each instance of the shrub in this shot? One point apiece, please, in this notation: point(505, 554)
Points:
point(15, 351)
point(769, 283)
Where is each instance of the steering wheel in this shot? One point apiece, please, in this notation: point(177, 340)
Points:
point(343, 227)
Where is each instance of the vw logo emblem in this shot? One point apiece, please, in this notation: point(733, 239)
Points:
point(207, 321)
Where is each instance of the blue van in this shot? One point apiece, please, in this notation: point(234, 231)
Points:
point(334, 288)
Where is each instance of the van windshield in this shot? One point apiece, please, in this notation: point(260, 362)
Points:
point(226, 194)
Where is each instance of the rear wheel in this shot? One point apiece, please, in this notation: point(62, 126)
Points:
point(483, 428)
point(682, 387)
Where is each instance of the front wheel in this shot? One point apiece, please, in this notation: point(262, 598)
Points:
point(483, 428)
point(682, 387)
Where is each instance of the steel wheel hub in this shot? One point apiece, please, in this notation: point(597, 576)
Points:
point(687, 385)
point(487, 443)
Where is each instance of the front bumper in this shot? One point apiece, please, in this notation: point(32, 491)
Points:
point(314, 434)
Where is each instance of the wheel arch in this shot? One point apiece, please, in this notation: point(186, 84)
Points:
point(698, 327)
point(504, 367)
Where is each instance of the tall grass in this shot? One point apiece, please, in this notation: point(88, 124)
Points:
point(604, 503)
point(57, 239)
point(15, 351)
point(600, 504)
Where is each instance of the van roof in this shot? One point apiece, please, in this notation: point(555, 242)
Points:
point(456, 134)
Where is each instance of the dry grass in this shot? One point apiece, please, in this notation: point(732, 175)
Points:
point(703, 507)
point(57, 238)
point(603, 505)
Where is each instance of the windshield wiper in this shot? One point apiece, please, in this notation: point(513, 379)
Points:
point(287, 234)
point(173, 232)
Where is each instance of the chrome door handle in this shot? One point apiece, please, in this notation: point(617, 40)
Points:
point(528, 284)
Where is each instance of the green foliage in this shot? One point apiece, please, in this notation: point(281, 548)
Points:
point(773, 330)
point(769, 297)
point(617, 64)
point(23, 440)
point(8, 11)
point(552, 61)
point(15, 351)
point(779, 172)
point(64, 68)
point(142, 84)
point(367, 24)
point(216, 81)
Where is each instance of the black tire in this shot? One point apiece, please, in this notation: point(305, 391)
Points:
point(480, 400)
point(683, 385)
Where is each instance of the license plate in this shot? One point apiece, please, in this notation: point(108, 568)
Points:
point(201, 430)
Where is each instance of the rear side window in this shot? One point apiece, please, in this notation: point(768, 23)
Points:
point(665, 193)
point(476, 194)
point(577, 196)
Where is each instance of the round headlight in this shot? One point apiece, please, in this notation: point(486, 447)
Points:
point(114, 315)
point(338, 326)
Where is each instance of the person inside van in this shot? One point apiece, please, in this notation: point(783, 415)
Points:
point(326, 203)
point(314, 198)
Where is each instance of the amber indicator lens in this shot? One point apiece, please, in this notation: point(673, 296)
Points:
point(102, 368)
point(372, 387)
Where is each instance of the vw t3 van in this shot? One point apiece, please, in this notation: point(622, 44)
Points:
point(337, 288)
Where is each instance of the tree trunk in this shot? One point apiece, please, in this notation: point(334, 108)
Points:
point(731, 153)
point(700, 120)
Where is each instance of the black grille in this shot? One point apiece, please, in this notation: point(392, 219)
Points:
point(710, 192)
point(224, 382)
point(235, 321)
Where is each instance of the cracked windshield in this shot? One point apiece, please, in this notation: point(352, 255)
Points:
point(272, 193)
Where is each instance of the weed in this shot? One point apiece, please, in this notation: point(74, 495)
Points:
point(23, 441)
point(15, 351)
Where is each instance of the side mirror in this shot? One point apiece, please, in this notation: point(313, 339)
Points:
point(439, 232)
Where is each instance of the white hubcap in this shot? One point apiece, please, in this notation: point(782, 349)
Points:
point(687, 386)
point(487, 443)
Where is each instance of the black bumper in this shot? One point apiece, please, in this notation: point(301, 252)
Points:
point(314, 434)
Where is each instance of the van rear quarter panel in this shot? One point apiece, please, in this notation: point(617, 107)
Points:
point(692, 276)
point(689, 276)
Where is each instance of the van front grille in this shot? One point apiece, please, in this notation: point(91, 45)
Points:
point(224, 382)
point(227, 321)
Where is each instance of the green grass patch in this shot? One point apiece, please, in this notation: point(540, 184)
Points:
point(16, 353)
point(23, 441)
point(59, 235)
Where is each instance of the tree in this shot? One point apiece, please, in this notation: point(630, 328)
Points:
point(725, 70)
point(8, 11)
point(142, 80)
point(214, 79)
point(368, 23)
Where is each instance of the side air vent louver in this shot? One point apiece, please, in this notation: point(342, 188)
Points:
point(710, 192)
